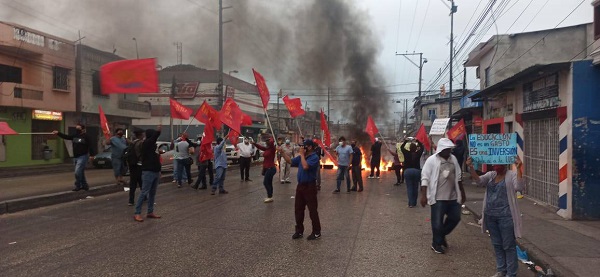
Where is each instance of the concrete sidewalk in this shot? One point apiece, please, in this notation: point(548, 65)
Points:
point(569, 248)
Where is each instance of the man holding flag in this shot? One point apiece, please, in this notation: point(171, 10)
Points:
point(83, 150)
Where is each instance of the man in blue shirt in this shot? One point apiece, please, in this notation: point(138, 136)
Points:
point(117, 148)
point(306, 191)
point(220, 167)
point(344, 155)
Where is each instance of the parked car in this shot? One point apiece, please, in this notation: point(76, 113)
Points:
point(166, 154)
point(233, 155)
point(103, 160)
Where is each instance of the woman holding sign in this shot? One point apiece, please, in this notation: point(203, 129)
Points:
point(501, 216)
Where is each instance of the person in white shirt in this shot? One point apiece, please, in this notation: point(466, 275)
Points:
point(285, 166)
point(245, 150)
point(442, 189)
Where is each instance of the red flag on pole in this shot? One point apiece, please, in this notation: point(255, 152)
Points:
point(320, 143)
point(6, 130)
point(458, 131)
point(209, 134)
point(422, 137)
point(294, 106)
point(230, 115)
point(179, 111)
point(325, 128)
point(234, 137)
point(129, 76)
point(104, 123)
point(246, 119)
point(263, 90)
point(371, 129)
point(207, 114)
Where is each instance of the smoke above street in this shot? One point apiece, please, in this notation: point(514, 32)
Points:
point(308, 45)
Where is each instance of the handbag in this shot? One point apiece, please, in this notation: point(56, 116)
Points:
point(189, 161)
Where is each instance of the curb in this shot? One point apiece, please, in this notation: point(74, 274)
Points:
point(536, 255)
point(38, 201)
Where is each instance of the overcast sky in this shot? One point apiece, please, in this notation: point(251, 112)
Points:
point(399, 26)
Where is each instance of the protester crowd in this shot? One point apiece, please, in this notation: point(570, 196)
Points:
point(437, 182)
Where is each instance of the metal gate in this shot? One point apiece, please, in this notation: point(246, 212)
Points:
point(541, 160)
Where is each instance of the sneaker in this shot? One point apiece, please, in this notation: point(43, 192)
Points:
point(499, 274)
point(248, 180)
point(212, 192)
point(179, 186)
point(129, 204)
point(336, 191)
point(445, 244)
point(313, 236)
point(223, 192)
point(370, 177)
point(378, 177)
point(359, 190)
point(297, 235)
point(348, 191)
point(282, 182)
point(288, 182)
point(437, 248)
point(268, 200)
point(174, 181)
point(138, 218)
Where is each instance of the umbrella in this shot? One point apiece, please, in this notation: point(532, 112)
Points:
point(6, 130)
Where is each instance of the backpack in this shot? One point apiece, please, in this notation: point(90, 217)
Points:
point(131, 154)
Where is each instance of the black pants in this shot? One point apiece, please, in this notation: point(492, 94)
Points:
point(399, 175)
point(245, 168)
point(375, 163)
point(357, 177)
point(135, 180)
point(202, 169)
point(306, 196)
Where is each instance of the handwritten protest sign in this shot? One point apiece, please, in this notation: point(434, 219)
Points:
point(493, 148)
point(439, 126)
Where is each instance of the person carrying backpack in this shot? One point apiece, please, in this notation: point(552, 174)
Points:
point(133, 155)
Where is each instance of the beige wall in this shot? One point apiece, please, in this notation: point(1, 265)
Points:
point(36, 54)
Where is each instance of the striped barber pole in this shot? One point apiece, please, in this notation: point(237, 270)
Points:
point(563, 131)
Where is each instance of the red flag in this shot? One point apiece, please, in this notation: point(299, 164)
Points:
point(233, 137)
point(263, 90)
point(422, 137)
point(246, 120)
point(325, 128)
point(371, 129)
point(6, 130)
point(104, 123)
point(129, 76)
point(180, 111)
point(458, 131)
point(209, 134)
point(320, 143)
point(294, 106)
point(230, 115)
point(207, 114)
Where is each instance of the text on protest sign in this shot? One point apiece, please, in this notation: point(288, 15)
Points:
point(439, 126)
point(493, 148)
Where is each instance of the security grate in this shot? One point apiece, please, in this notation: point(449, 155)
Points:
point(541, 160)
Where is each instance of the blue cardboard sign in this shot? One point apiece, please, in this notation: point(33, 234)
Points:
point(493, 148)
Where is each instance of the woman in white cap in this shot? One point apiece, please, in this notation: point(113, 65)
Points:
point(442, 189)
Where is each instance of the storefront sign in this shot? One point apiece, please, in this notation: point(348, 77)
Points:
point(493, 148)
point(47, 115)
point(466, 101)
point(439, 126)
point(186, 90)
point(541, 94)
point(477, 121)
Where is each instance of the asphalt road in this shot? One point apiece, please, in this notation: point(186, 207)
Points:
point(372, 233)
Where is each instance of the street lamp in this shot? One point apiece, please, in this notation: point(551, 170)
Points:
point(136, 49)
point(233, 71)
point(422, 61)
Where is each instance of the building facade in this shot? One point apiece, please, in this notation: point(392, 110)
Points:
point(548, 101)
point(37, 88)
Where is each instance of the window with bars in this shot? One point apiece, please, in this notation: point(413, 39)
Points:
point(60, 77)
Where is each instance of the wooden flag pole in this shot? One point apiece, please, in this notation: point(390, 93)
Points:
point(299, 130)
point(386, 145)
point(269, 122)
point(35, 133)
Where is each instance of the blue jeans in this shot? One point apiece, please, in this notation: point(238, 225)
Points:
point(342, 173)
point(181, 173)
point(149, 186)
point(219, 179)
point(412, 177)
point(175, 174)
point(118, 166)
point(502, 233)
point(80, 163)
point(441, 227)
point(268, 181)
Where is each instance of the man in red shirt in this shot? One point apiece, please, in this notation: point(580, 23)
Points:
point(269, 168)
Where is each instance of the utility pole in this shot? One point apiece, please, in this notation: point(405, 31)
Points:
point(328, 92)
point(179, 52)
point(221, 22)
point(453, 10)
point(420, 66)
